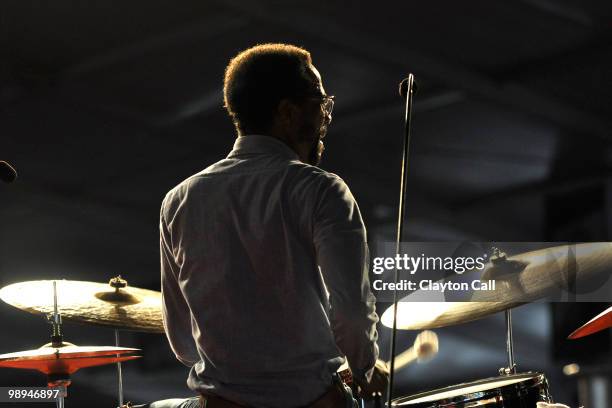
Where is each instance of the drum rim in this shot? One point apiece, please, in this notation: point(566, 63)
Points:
point(531, 379)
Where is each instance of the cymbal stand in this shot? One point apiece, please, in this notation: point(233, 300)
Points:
point(59, 402)
point(511, 369)
point(118, 283)
point(500, 260)
point(58, 381)
point(119, 373)
point(62, 386)
point(57, 339)
point(406, 90)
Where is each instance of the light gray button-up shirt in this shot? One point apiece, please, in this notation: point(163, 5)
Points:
point(264, 267)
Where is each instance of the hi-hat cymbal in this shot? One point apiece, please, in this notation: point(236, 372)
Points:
point(599, 322)
point(520, 279)
point(116, 306)
point(66, 359)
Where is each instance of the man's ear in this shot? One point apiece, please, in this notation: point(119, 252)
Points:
point(286, 112)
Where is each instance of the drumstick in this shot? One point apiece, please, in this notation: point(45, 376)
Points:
point(425, 347)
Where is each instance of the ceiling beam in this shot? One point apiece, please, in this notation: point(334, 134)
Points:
point(209, 27)
point(562, 11)
point(365, 44)
point(538, 188)
point(595, 50)
point(394, 109)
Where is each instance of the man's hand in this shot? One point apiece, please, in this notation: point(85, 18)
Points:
point(378, 383)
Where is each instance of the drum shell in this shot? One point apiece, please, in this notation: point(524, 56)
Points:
point(532, 388)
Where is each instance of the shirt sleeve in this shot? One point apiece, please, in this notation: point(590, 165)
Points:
point(175, 310)
point(342, 254)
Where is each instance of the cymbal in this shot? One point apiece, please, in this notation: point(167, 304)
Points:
point(519, 279)
point(599, 322)
point(116, 306)
point(65, 359)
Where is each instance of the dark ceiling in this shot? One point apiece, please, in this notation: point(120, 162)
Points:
point(106, 105)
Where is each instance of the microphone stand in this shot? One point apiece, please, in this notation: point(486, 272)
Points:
point(8, 174)
point(407, 89)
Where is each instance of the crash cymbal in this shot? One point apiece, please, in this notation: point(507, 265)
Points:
point(599, 322)
point(65, 359)
point(420, 315)
point(519, 279)
point(113, 305)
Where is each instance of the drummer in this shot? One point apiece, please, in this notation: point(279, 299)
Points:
point(264, 259)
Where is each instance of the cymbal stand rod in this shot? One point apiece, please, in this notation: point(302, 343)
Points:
point(55, 314)
point(56, 320)
point(119, 373)
point(59, 400)
point(509, 344)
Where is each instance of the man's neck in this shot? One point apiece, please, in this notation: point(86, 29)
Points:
point(301, 150)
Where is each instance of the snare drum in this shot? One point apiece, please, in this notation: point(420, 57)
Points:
point(510, 391)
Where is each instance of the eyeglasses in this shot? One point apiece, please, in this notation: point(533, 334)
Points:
point(327, 102)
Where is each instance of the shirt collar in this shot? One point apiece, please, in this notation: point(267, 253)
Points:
point(260, 144)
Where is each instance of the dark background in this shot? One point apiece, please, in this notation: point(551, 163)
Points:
point(106, 105)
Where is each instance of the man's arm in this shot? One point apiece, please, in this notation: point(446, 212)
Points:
point(342, 254)
point(175, 311)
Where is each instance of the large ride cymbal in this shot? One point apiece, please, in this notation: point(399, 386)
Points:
point(65, 359)
point(519, 279)
point(599, 322)
point(120, 307)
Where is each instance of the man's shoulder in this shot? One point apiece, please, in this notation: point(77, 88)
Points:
point(178, 192)
point(315, 175)
point(304, 179)
point(311, 184)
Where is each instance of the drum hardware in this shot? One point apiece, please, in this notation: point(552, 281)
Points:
point(503, 266)
point(118, 283)
point(511, 369)
point(511, 391)
point(55, 320)
point(92, 303)
point(499, 260)
point(119, 374)
point(530, 276)
point(61, 381)
point(59, 359)
point(84, 306)
point(539, 274)
point(122, 307)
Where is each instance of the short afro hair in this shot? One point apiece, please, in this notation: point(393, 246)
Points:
point(258, 78)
